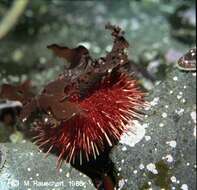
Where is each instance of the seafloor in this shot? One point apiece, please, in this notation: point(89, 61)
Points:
point(162, 153)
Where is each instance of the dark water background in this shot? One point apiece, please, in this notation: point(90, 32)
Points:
point(23, 52)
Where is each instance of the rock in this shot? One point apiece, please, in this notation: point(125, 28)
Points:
point(26, 168)
point(165, 157)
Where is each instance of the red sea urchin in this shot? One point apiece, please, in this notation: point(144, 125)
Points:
point(86, 109)
point(106, 112)
point(107, 99)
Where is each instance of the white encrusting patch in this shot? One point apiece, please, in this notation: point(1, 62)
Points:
point(157, 83)
point(68, 175)
point(147, 107)
point(141, 166)
point(187, 164)
point(194, 133)
point(168, 158)
point(152, 168)
point(179, 111)
point(172, 143)
point(173, 179)
point(135, 133)
point(149, 183)
point(135, 171)
point(183, 100)
point(184, 187)
point(121, 184)
point(124, 148)
point(164, 115)
point(175, 78)
point(193, 116)
point(161, 125)
point(60, 170)
point(171, 91)
point(179, 96)
point(155, 101)
point(147, 138)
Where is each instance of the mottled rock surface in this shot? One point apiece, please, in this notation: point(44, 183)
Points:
point(26, 168)
point(165, 157)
